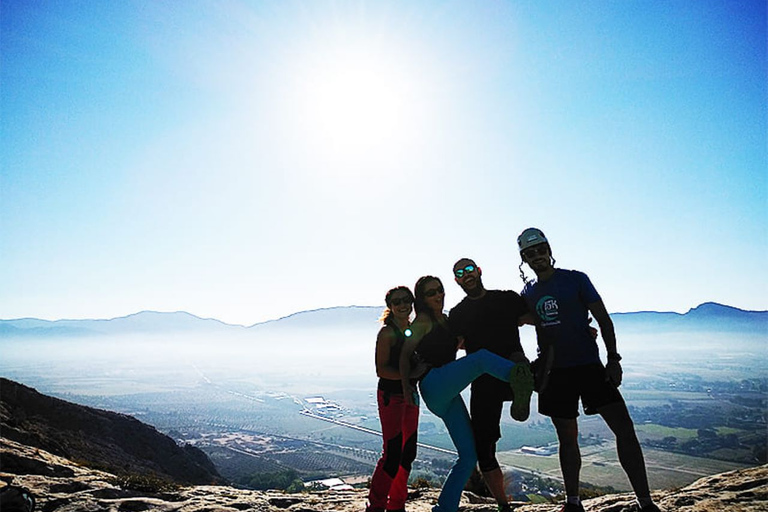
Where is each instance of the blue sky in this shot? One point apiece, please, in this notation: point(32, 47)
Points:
point(245, 160)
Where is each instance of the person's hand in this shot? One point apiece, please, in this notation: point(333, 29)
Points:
point(418, 368)
point(541, 368)
point(408, 395)
point(613, 372)
point(592, 330)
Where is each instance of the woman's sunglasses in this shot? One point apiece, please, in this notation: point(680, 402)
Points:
point(404, 300)
point(433, 291)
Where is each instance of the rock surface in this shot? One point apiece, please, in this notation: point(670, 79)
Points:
point(98, 438)
point(60, 485)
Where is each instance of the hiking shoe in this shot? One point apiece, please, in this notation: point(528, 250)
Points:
point(15, 498)
point(521, 381)
point(570, 507)
point(505, 507)
point(650, 508)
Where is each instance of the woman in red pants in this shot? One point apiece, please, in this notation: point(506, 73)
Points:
point(399, 420)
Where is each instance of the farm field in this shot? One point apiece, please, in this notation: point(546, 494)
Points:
point(600, 466)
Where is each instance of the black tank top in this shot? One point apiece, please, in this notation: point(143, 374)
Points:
point(439, 346)
point(392, 385)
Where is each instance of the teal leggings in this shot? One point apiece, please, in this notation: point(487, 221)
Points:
point(440, 391)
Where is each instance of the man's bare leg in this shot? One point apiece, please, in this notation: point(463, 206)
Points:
point(494, 479)
point(570, 455)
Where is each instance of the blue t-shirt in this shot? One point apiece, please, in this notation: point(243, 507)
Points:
point(559, 305)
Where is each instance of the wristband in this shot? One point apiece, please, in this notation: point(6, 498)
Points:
point(614, 356)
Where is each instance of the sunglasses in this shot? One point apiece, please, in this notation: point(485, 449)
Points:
point(460, 272)
point(536, 250)
point(404, 300)
point(434, 291)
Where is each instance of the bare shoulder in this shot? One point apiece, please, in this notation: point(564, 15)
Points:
point(386, 333)
point(421, 325)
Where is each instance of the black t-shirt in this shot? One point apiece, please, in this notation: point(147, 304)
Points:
point(438, 347)
point(489, 322)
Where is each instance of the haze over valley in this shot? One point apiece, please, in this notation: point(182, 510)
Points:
point(298, 392)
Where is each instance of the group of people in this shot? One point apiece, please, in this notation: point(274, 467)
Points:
point(421, 355)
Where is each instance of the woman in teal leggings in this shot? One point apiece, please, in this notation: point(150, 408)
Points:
point(432, 345)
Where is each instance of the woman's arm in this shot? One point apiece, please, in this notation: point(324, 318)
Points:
point(420, 327)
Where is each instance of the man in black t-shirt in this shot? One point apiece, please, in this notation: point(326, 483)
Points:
point(488, 319)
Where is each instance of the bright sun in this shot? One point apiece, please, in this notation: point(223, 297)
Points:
point(355, 100)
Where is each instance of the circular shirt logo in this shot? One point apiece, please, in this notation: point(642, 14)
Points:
point(546, 308)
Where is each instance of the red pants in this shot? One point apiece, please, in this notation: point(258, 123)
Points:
point(399, 423)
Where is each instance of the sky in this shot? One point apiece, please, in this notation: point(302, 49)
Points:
point(246, 160)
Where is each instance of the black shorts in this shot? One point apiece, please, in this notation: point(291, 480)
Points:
point(560, 398)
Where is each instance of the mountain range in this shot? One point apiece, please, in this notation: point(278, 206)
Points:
point(708, 316)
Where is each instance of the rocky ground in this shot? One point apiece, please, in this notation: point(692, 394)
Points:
point(98, 438)
point(60, 485)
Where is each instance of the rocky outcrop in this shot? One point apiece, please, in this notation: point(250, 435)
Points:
point(63, 486)
point(97, 438)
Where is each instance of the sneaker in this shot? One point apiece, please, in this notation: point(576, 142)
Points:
point(570, 507)
point(650, 508)
point(13, 497)
point(521, 381)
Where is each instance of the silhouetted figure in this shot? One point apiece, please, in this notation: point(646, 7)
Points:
point(561, 301)
point(434, 346)
point(488, 319)
point(399, 419)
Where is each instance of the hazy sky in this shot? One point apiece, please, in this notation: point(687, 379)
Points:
point(245, 160)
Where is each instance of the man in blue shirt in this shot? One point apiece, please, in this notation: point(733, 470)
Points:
point(561, 301)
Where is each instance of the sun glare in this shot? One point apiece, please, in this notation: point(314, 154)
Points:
point(355, 101)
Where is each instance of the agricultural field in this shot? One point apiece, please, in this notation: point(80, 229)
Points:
point(600, 466)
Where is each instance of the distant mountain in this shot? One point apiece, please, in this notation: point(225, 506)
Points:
point(327, 317)
point(143, 322)
point(114, 442)
point(709, 316)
